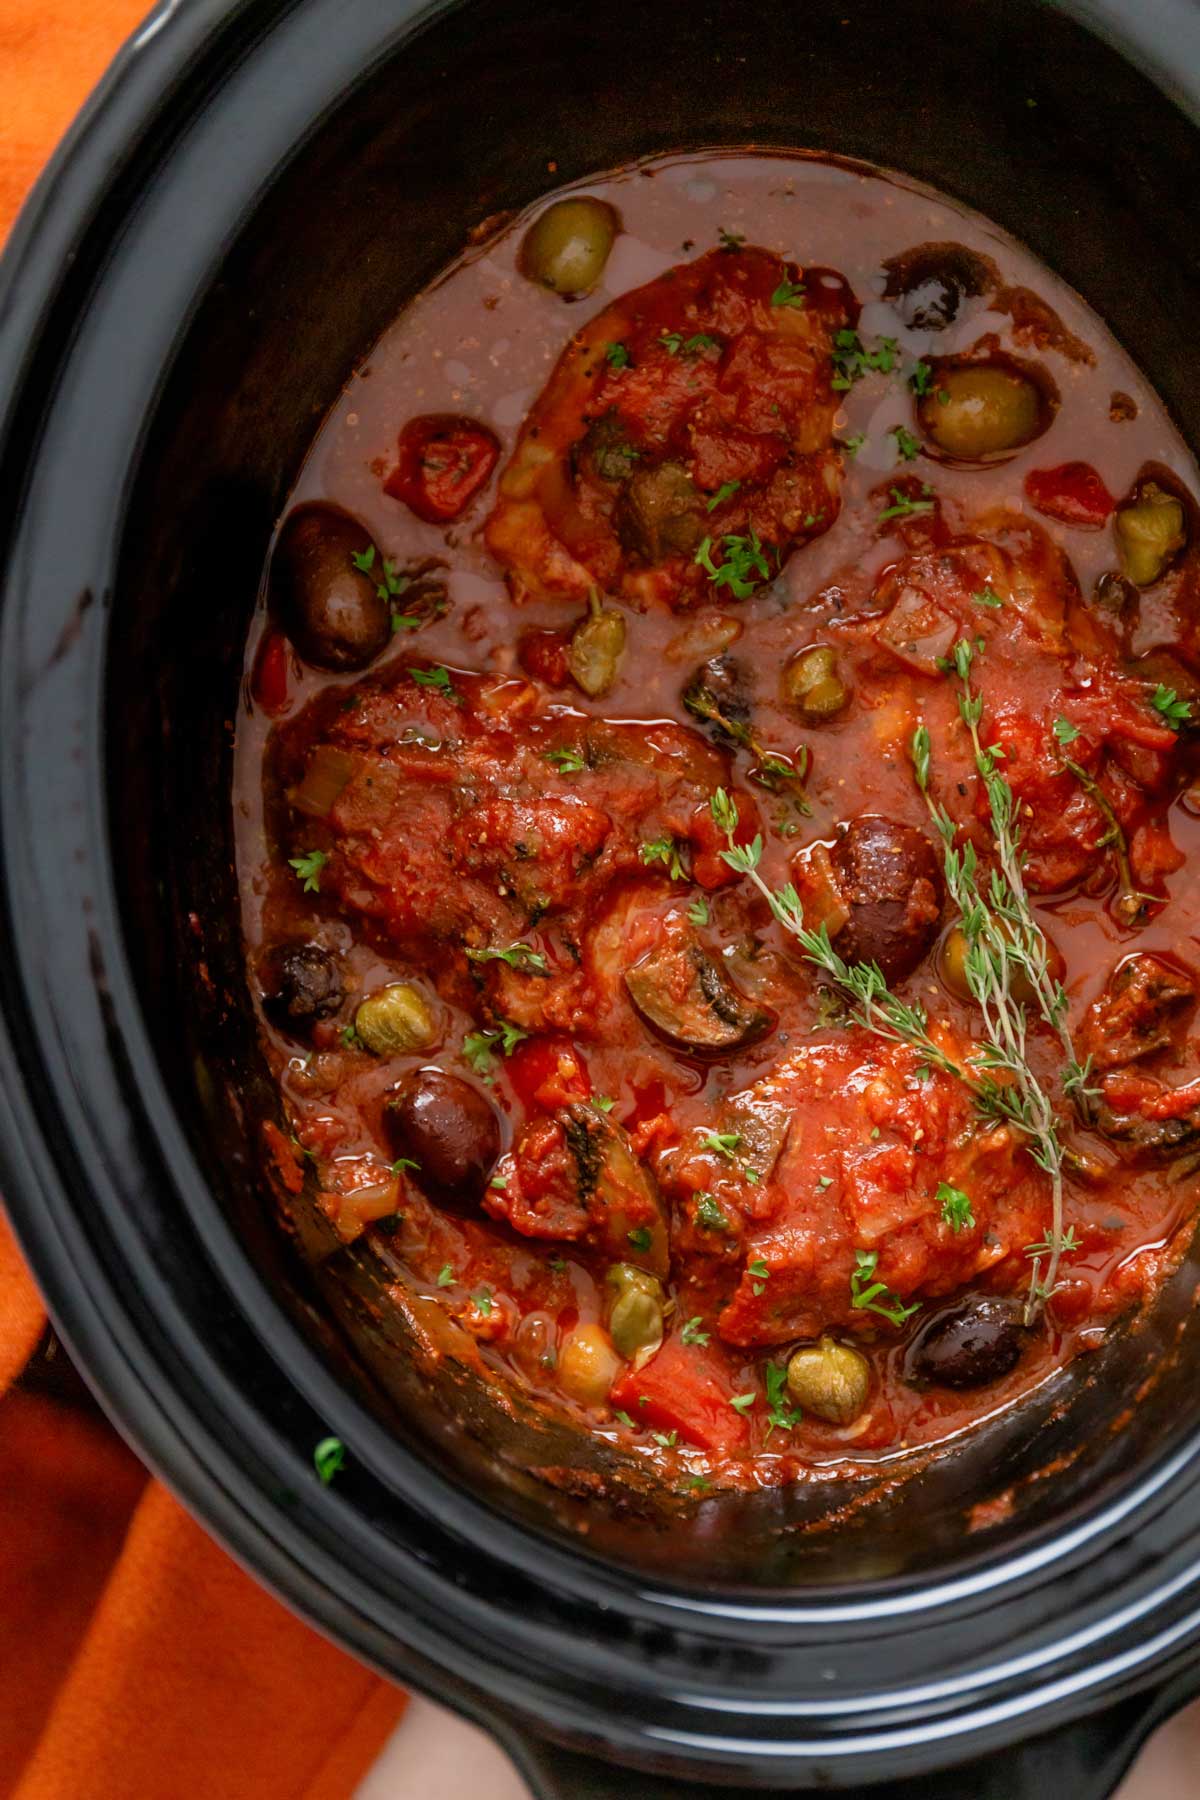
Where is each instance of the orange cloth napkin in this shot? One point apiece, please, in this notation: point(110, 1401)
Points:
point(137, 1662)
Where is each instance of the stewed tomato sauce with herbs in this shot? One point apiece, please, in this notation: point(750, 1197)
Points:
point(718, 818)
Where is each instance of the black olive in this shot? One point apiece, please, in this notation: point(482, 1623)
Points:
point(974, 1343)
point(930, 281)
point(446, 1126)
point(301, 983)
point(331, 609)
point(891, 886)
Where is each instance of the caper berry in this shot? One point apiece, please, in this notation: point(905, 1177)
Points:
point(829, 1379)
point(396, 1019)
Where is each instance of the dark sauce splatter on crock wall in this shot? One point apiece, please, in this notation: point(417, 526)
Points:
point(482, 342)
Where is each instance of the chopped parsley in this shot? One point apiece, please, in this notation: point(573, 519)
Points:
point(616, 356)
point(328, 1457)
point(603, 1102)
point(780, 1413)
point(518, 956)
point(445, 1275)
point(479, 1046)
point(567, 762)
point(903, 505)
point(483, 1301)
point(640, 1237)
point(726, 491)
point(920, 378)
point(744, 563)
point(668, 1439)
point(852, 445)
point(499, 1182)
point(1064, 731)
point(789, 293)
point(389, 583)
point(437, 677)
point(851, 359)
point(709, 1214)
point(692, 1334)
point(623, 1418)
point(742, 1402)
point(1167, 703)
point(723, 1142)
point(956, 1207)
point(308, 867)
point(675, 344)
point(351, 1038)
point(907, 445)
point(875, 1296)
point(987, 596)
point(698, 911)
point(401, 1163)
point(664, 850)
point(406, 622)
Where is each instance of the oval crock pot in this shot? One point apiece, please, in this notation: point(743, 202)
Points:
point(247, 201)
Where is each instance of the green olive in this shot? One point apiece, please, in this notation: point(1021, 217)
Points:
point(811, 684)
point(567, 246)
point(830, 1380)
point(635, 1317)
point(953, 963)
point(597, 644)
point(587, 1364)
point(396, 1019)
point(1150, 529)
point(974, 411)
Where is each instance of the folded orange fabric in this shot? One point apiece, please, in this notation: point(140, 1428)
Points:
point(139, 1662)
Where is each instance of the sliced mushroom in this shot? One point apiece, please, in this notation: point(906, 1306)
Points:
point(687, 997)
point(761, 1123)
point(660, 513)
point(624, 1208)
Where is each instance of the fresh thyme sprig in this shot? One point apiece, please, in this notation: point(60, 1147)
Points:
point(1131, 903)
point(1005, 941)
point(874, 1006)
point(772, 770)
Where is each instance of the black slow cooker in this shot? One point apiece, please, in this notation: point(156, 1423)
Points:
point(248, 200)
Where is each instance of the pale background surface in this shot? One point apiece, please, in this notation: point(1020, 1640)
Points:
point(434, 1756)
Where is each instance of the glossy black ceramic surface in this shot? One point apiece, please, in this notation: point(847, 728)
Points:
point(249, 200)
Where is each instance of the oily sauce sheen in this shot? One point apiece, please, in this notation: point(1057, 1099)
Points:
point(622, 584)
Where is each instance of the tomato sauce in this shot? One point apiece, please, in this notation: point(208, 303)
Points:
point(730, 523)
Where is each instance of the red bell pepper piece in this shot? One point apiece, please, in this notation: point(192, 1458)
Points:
point(684, 1388)
point(443, 462)
point(1073, 493)
point(270, 683)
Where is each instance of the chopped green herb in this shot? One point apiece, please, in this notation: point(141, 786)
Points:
point(518, 956)
point(499, 1182)
point(789, 293)
point(875, 1296)
point(987, 596)
point(741, 1402)
point(664, 850)
point(437, 677)
point(603, 1102)
point(743, 566)
point(692, 1334)
point(483, 1301)
point(406, 622)
point(851, 360)
point(907, 445)
point(956, 1207)
point(1166, 702)
point(445, 1275)
point(308, 867)
point(640, 1237)
point(920, 378)
point(903, 505)
point(726, 491)
point(668, 1439)
point(698, 911)
point(403, 1162)
point(824, 1181)
point(624, 1419)
point(567, 762)
point(709, 1214)
point(780, 1413)
point(328, 1457)
point(479, 1046)
point(699, 1481)
point(351, 1038)
point(852, 445)
point(616, 356)
point(723, 1142)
